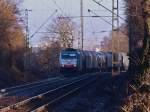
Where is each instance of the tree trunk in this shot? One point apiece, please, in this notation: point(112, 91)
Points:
point(138, 17)
point(146, 45)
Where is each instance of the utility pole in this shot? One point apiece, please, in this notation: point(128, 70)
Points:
point(115, 27)
point(27, 54)
point(79, 40)
point(82, 25)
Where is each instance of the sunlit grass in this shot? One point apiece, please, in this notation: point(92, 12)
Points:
point(139, 101)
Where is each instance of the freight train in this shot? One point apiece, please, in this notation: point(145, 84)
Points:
point(90, 61)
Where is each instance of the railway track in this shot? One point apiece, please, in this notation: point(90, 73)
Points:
point(42, 101)
point(32, 89)
point(16, 94)
point(26, 87)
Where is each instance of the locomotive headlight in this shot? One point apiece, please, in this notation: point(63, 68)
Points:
point(62, 65)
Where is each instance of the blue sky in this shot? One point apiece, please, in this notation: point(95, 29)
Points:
point(42, 9)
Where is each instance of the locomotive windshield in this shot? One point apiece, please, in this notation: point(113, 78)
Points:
point(69, 56)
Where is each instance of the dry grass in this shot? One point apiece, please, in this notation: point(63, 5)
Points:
point(4, 102)
point(139, 101)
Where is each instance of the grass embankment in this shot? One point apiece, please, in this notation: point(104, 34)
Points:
point(139, 98)
point(13, 76)
point(130, 93)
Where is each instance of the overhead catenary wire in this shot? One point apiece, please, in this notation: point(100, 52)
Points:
point(106, 20)
point(44, 23)
point(99, 17)
point(73, 17)
point(58, 6)
point(108, 9)
point(92, 26)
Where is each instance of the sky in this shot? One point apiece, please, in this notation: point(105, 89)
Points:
point(42, 9)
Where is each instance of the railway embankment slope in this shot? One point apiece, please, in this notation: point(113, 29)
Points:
point(107, 94)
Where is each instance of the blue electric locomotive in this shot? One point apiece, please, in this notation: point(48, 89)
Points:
point(89, 61)
point(81, 61)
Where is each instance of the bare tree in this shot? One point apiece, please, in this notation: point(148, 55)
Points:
point(64, 30)
point(121, 40)
point(106, 44)
point(47, 59)
point(62, 33)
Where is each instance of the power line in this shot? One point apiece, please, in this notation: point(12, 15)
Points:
point(57, 32)
point(92, 27)
point(44, 23)
point(100, 17)
point(109, 10)
point(58, 6)
point(105, 16)
point(85, 16)
point(109, 16)
point(101, 31)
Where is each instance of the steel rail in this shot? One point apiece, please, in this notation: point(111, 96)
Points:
point(44, 107)
point(23, 103)
point(24, 85)
point(20, 88)
point(27, 87)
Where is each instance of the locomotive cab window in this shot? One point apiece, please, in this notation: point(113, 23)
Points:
point(69, 56)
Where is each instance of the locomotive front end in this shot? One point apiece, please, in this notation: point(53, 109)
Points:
point(68, 61)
